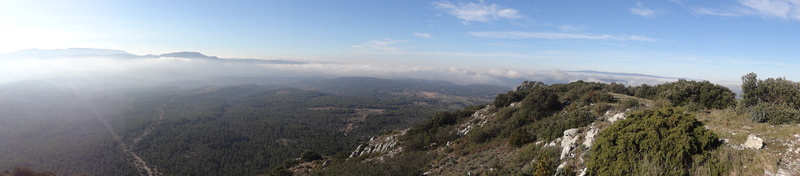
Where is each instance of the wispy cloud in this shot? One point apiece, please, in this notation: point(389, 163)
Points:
point(641, 10)
point(714, 12)
point(786, 9)
point(384, 44)
point(557, 35)
point(423, 35)
point(469, 12)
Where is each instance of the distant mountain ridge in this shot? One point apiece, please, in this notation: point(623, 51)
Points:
point(120, 54)
point(187, 54)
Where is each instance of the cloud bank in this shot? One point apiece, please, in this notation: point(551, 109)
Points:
point(147, 70)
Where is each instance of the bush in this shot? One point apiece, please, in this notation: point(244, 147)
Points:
point(668, 138)
point(553, 127)
point(540, 102)
point(309, 155)
point(503, 100)
point(601, 108)
point(629, 103)
point(774, 114)
point(546, 163)
point(520, 137)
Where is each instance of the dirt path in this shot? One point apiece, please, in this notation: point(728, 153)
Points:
point(138, 162)
point(160, 110)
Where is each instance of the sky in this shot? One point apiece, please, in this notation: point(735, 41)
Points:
point(709, 40)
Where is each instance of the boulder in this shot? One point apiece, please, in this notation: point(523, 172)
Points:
point(754, 142)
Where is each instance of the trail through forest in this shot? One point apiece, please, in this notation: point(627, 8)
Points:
point(138, 162)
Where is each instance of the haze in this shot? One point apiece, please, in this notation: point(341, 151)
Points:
point(487, 42)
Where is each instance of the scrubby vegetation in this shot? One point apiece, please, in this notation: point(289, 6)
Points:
point(683, 92)
point(664, 141)
point(773, 100)
point(538, 113)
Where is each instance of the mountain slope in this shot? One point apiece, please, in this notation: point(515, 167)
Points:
point(543, 129)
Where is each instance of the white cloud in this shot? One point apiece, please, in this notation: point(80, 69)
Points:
point(383, 44)
point(423, 35)
point(786, 9)
point(641, 10)
point(477, 12)
point(556, 35)
point(714, 12)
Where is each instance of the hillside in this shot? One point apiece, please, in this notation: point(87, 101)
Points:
point(217, 130)
point(677, 128)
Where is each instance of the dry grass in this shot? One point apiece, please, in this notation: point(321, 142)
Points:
point(735, 126)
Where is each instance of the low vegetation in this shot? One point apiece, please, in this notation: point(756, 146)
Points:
point(663, 141)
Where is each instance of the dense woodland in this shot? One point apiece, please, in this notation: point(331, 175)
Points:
point(235, 130)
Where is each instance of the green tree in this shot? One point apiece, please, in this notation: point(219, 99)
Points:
point(749, 88)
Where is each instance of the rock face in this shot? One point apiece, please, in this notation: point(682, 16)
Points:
point(478, 119)
point(754, 142)
point(387, 144)
point(618, 116)
point(568, 142)
point(589, 139)
point(528, 85)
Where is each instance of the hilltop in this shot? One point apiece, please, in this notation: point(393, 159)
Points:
point(582, 128)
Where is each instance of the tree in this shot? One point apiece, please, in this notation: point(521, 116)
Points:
point(541, 102)
point(749, 88)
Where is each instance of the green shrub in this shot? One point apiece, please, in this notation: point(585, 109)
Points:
point(520, 137)
point(774, 113)
point(503, 100)
point(629, 103)
point(553, 127)
point(309, 155)
point(540, 102)
point(601, 108)
point(546, 163)
point(663, 141)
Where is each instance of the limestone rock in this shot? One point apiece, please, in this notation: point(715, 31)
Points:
point(527, 85)
point(568, 142)
point(589, 139)
point(618, 116)
point(754, 142)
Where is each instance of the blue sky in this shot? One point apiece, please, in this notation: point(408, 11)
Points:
point(712, 40)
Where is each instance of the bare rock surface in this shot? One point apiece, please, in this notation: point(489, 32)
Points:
point(754, 142)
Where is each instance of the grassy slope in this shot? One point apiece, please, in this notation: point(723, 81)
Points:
point(781, 142)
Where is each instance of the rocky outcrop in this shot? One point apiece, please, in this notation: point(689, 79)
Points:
point(528, 85)
point(585, 136)
point(589, 139)
point(754, 142)
point(388, 145)
point(479, 118)
point(618, 116)
point(568, 142)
